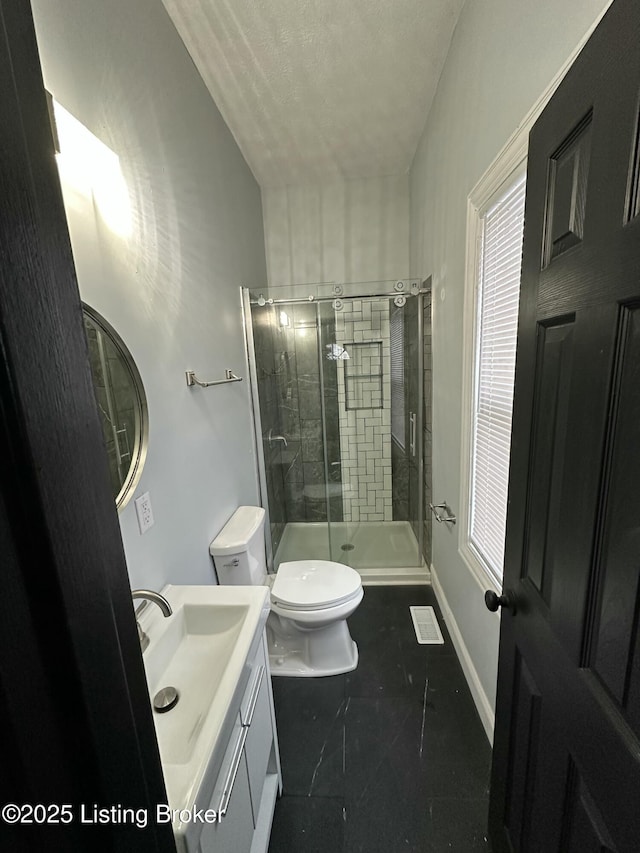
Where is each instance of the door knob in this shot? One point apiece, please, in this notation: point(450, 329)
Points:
point(493, 601)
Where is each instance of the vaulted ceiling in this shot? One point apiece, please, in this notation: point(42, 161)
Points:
point(317, 90)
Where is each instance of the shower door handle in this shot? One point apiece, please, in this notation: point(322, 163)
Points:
point(412, 433)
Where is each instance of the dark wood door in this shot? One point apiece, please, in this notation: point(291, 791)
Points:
point(566, 772)
point(75, 721)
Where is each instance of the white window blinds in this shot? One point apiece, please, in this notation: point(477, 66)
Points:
point(496, 332)
point(396, 372)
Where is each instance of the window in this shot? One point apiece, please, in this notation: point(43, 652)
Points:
point(495, 212)
point(498, 287)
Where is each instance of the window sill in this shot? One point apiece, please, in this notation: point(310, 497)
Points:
point(481, 575)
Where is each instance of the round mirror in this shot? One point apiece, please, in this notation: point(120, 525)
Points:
point(122, 404)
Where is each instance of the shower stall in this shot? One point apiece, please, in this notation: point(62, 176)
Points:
point(341, 387)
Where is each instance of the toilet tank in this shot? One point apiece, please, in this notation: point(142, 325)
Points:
point(238, 550)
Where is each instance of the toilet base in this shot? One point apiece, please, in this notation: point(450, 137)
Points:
point(297, 651)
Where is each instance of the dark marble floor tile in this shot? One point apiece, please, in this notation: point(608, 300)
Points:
point(440, 710)
point(453, 729)
point(413, 748)
point(310, 723)
point(380, 735)
point(398, 742)
point(388, 665)
point(391, 661)
point(308, 825)
point(464, 778)
point(390, 605)
point(394, 825)
point(389, 826)
point(459, 826)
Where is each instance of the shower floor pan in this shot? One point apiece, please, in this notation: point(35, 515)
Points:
point(382, 552)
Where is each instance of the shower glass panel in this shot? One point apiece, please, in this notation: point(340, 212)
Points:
point(340, 414)
point(376, 532)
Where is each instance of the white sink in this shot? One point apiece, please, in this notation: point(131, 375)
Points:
point(201, 650)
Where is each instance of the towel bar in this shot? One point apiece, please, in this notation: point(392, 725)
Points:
point(230, 376)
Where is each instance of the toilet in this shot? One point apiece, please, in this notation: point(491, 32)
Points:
point(307, 631)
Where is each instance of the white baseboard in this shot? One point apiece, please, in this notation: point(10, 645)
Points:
point(484, 707)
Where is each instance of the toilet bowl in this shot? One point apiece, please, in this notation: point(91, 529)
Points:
point(307, 632)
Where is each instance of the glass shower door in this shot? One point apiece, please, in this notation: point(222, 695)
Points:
point(374, 358)
point(292, 434)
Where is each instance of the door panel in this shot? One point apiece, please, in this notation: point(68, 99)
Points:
point(524, 750)
point(587, 403)
point(584, 829)
point(615, 636)
point(566, 194)
point(566, 752)
point(632, 208)
point(553, 372)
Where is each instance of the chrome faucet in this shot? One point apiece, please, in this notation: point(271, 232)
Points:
point(156, 598)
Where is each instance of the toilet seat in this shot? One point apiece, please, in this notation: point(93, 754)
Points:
point(320, 608)
point(313, 585)
point(319, 616)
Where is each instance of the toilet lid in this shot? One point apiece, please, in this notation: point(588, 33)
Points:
point(311, 584)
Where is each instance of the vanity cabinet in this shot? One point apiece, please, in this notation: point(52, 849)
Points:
point(249, 779)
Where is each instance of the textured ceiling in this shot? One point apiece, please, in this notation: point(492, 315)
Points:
point(317, 90)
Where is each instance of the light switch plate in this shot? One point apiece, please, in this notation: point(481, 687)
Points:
point(144, 512)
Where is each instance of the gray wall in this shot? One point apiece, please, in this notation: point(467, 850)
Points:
point(346, 231)
point(502, 57)
point(170, 287)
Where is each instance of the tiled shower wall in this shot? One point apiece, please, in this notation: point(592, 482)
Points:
point(290, 396)
point(301, 415)
point(365, 433)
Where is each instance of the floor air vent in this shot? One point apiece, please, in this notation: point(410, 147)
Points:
point(427, 629)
